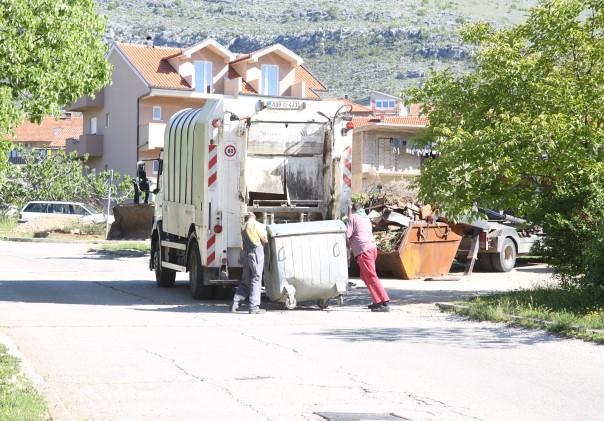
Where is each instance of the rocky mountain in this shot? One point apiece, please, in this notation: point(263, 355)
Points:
point(353, 46)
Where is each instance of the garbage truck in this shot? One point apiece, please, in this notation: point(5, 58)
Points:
point(285, 160)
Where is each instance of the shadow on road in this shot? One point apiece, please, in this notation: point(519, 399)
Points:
point(360, 296)
point(475, 336)
point(140, 292)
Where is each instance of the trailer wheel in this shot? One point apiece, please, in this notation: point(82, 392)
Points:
point(164, 278)
point(199, 291)
point(506, 259)
point(323, 304)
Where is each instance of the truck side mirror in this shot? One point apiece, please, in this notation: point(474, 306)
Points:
point(160, 167)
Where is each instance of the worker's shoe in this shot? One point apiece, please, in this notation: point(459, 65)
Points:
point(234, 307)
point(382, 307)
point(257, 310)
point(378, 305)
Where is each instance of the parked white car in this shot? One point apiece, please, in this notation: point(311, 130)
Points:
point(37, 209)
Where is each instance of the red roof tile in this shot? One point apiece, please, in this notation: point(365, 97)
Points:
point(152, 63)
point(312, 83)
point(406, 121)
point(52, 132)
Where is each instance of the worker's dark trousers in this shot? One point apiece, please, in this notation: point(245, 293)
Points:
point(251, 281)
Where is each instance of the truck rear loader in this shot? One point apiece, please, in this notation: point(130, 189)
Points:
point(285, 160)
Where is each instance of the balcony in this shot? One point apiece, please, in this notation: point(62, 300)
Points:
point(87, 102)
point(151, 136)
point(91, 144)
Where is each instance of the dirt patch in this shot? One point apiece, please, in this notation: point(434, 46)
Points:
point(45, 224)
point(60, 227)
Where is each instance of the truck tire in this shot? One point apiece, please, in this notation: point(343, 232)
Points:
point(164, 278)
point(199, 291)
point(484, 263)
point(506, 259)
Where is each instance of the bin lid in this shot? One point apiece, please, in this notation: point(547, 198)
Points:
point(306, 228)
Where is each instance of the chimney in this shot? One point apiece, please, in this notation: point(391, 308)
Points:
point(345, 96)
point(149, 41)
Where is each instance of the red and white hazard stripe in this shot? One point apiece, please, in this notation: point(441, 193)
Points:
point(347, 167)
point(211, 249)
point(212, 166)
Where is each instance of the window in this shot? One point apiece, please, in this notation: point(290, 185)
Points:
point(155, 166)
point(92, 126)
point(203, 77)
point(157, 113)
point(269, 80)
point(385, 104)
point(59, 208)
point(106, 119)
point(79, 210)
point(36, 207)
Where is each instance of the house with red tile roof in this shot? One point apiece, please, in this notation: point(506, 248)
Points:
point(124, 122)
point(381, 103)
point(384, 152)
point(50, 135)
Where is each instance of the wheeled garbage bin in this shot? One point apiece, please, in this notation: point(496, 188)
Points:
point(306, 261)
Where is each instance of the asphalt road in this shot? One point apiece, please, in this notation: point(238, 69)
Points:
point(108, 344)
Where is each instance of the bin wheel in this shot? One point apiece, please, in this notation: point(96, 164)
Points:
point(290, 302)
point(340, 300)
point(323, 304)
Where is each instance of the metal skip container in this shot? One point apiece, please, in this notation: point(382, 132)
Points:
point(306, 261)
point(426, 250)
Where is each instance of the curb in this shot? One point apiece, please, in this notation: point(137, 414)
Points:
point(453, 307)
point(56, 408)
point(55, 241)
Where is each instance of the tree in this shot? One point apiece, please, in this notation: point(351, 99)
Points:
point(525, 129)
point(61, 177)
point(51, 53)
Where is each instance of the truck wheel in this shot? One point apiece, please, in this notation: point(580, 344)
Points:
point(484, 263)
point(199, 291)
point(164, 278)
point(506, 259)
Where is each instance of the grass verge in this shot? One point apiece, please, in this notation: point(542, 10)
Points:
point(7, 224)
point(18, 399)
point(577, 313)
point(122, 249)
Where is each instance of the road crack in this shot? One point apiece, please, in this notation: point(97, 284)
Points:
point(178, 366)
point(123, 291)
point(264, 342)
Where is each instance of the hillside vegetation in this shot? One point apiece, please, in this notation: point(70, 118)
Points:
point(352, 46)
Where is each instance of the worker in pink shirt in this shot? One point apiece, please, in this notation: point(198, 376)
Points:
point(362, 244)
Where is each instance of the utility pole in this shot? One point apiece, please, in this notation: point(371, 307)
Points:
point(108, 206)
